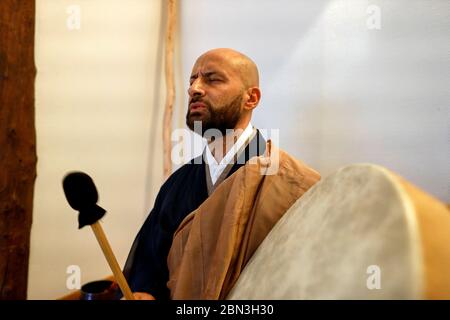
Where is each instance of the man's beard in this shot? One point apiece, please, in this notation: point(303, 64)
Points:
point(221, 118)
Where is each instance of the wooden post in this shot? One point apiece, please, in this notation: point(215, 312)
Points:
point(170, 87)
point(17, 144)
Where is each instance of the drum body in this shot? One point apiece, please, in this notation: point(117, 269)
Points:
point(361, 233)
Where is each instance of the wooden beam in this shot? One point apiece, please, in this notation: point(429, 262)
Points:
point(17, 144)
point(170, 86)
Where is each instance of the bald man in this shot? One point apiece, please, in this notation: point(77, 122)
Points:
point(223, 92)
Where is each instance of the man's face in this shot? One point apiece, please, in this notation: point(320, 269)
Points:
point(215, 94)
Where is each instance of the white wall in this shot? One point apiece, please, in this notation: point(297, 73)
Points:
point(98, 110)
point(339, 92)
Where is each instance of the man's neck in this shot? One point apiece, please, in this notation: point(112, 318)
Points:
point(220, 146)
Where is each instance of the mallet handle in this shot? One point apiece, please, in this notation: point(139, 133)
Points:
point(109, 255)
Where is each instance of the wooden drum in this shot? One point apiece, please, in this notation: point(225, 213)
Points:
point(361, 233)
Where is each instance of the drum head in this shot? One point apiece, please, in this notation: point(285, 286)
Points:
point(353, 235)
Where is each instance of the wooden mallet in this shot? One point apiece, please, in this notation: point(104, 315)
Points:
point(82, 196)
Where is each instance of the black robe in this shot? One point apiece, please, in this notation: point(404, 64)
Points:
point(183, 192)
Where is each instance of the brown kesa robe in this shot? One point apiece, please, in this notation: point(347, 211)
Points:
point(213, 244)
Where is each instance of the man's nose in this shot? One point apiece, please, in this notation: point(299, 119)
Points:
point(196, 88)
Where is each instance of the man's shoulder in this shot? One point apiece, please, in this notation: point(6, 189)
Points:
point(186, 169)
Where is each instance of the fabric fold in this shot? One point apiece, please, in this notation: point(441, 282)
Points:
point(213, 244)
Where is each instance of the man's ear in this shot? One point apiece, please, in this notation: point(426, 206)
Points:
point(253, 97)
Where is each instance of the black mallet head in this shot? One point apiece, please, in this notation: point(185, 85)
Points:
point(82, 196)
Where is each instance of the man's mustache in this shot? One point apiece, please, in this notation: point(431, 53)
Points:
point(199, 99)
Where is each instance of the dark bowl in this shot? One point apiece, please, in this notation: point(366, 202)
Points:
point(98, 290)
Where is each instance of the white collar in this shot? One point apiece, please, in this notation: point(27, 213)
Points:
point(233, 150)
point(215, 168)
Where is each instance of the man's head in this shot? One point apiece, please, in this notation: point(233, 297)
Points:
point(223, 91)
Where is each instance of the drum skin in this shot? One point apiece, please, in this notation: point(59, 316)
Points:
point(360, 233)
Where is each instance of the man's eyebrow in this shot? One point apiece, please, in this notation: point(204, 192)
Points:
point(207, 74)
point(212, 73)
